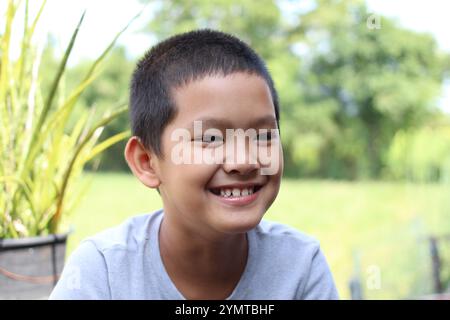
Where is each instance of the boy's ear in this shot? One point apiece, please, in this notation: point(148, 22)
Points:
point(142, 162)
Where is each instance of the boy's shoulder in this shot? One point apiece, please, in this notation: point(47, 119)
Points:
point(284, 244)
point(128, 235)
point(275, 231)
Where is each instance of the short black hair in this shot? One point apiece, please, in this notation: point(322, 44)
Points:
point(177, 61)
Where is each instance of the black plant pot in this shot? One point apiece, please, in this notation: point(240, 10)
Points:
point(30, 267)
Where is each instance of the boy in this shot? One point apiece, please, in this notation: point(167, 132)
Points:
point(191, 98)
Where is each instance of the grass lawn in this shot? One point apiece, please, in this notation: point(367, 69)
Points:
point(375, 229)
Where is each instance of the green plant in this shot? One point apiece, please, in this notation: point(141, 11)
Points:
point(42, 148)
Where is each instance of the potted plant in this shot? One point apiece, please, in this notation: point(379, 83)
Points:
point(43, 151)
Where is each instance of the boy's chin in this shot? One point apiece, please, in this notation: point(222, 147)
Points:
point(238, 222)
point(237, 219)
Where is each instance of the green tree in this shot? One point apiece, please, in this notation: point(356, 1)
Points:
point(383, 79)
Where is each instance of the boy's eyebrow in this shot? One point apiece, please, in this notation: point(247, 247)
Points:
point(268, 120)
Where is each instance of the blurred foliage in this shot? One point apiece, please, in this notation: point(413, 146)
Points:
point(383, 80)
point(347, 91)
point(421, 155)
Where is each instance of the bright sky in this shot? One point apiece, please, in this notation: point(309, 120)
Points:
point(426, 16)
point(104, 18)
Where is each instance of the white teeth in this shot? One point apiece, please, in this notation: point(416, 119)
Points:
point(236, 192)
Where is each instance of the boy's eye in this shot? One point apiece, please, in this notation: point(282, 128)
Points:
point(212, 138)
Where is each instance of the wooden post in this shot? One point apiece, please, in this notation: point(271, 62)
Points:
point(436, 264)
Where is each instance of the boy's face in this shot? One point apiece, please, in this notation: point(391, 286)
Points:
point(230, 192)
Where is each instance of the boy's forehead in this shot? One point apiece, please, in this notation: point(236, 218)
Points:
point(221, 101)
point(223, 89)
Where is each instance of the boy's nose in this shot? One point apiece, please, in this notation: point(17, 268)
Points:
point(240, 168)
point(241, 161)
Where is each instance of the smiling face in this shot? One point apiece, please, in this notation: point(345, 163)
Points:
point(228, 195)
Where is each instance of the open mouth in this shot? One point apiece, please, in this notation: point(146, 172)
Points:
point(235, 192)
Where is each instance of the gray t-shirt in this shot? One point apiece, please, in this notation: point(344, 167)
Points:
point(124, 262)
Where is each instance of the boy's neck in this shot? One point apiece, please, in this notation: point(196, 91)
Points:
point(202, 267)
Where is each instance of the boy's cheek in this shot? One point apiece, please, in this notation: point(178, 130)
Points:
point(192, 176)
point(271, 159)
